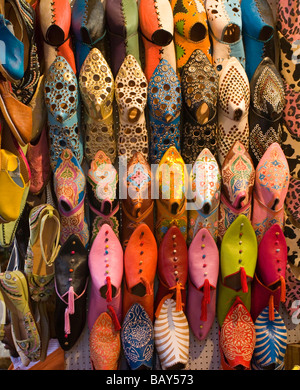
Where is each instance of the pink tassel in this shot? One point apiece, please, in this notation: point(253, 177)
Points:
point(71, 305)
point(67, 321)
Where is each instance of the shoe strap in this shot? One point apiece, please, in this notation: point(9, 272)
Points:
point(56, 246)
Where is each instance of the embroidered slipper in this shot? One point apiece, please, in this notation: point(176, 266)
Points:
point(14, 289)
point(71, 280)
point(70, 190)
point(233, 107)
point(105, 343)
point(205, 183)
point(172, 194)
point(238, 175)
point(190, 30)
point(237, 338)
point(102, 182)
point(137, 336)
point(164, 110)
point(122, 19)
point(62, 102)
point(271, 342)
point(137, 205)
point(106, 273)
point(156, 27)
point(259, 34)
point(88, 28)
point(225, 22)
point(96, 84)
point(131, 98)
point(270, 189)
point(203, 267)
point(140, 263)
point(199, 83)
point(172, 269)
point(267, 102)
point(171, 336)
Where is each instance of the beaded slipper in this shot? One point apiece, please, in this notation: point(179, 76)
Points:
point(71, 281)
point(62, 102)
point(172, 269)
point(106, 273)
point(140, 261)
point(233, 107)
point(205, 183)
point(267, 102)
point(96, 84)
point(102, 181)
point(131, 97)
point(122, 18)
point(164, 108)
point(190, 30)
point(199, 82)
point(203, 267)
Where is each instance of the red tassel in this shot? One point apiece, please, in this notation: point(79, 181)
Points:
point(244, 280)
point(271, 308)
point(205, 300)
point(283, 289)
point(109, 290)
point(114, 317)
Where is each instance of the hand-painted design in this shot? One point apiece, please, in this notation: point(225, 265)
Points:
point(271, 340)
point(171, 336)
point(164, 104)
point(191, 30)
point(138, 176)
point(273, 173)
point(70, 187)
